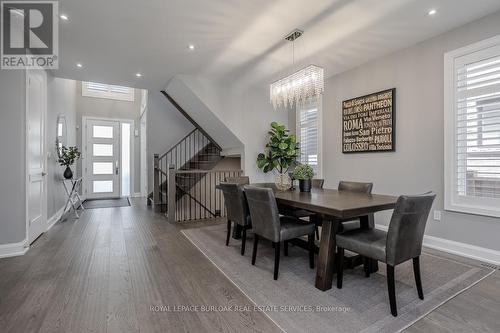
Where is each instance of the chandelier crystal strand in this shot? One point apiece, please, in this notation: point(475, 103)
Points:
point(298, 87)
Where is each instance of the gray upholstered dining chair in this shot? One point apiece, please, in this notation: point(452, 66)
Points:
point(402, 242)
point(268, 224)
point(357, 187)
point(302, 213)
point(241, 180)
point(347, 224)
point(237, 211)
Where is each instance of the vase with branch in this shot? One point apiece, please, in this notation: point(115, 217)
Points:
point(281, 153)
point(68, 156)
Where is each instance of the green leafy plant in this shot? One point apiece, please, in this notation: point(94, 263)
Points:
point(68, 156)
point(281, 152)
point(303, 172)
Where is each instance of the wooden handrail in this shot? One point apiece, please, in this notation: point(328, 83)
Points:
point(191, 120)
point(172, 149)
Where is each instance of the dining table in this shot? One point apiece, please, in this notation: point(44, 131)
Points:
point(331, 207)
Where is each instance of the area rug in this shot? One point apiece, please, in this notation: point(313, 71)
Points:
point(362, 305)
point(106, 203)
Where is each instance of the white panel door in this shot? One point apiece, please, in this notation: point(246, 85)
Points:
point(102, 159)
point(36, 109)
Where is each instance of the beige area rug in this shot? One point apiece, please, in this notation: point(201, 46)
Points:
point(362, 305)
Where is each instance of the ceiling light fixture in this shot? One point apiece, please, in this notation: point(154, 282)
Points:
point(300, 86)
point(64, 17)
point(432, 12)
point(138, 74)
point(191, 47)
point(79, 65)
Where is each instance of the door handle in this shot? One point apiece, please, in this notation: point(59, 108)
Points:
point(117, 169)
point(44, 174)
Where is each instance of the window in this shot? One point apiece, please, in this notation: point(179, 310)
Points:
point(472, 129)
point(101, 90)
point(309, 134)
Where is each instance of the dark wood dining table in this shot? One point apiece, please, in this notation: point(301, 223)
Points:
point(331, 207)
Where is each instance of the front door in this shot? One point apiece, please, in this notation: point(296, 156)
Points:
point(102, 159)
point(36, 109)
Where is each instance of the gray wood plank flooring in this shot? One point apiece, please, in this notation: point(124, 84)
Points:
point(104, 272)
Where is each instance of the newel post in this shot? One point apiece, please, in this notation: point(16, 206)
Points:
point(172, 193)
point(156, 180)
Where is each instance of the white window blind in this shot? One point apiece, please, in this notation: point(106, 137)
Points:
point(109, 91)
point(475, 187)
point(308, 134)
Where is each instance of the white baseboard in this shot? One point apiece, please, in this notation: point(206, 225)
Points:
point(458, 248)
point(13, 249)
point(136, 195)
point(56, 217)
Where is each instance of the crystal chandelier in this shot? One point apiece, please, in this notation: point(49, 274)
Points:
point(299, 87)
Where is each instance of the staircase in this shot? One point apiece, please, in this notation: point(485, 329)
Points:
point(196, 151)
point(193, 152)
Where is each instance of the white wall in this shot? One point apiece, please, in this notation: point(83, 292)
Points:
point(251, 118)
point(243, 113)
point(12, 150)
point(417, 164)
point(61, 100)
point(200, 98)
point(165, 127)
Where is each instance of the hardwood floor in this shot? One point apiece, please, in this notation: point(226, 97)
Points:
point(105, 272)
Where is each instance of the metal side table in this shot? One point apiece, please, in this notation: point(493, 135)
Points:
point(72, 187)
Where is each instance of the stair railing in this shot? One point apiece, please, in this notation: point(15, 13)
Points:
point(201, 201)
point(191, 152)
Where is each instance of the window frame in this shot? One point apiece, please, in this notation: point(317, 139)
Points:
point(452, 202)
point(319, 102)
point(127, 97)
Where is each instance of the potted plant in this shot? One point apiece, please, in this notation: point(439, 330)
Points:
point(281, 153)
point(67, 158)
point(304, 173)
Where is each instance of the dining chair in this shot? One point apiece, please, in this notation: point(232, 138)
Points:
point(302, 213)
point(356, 187)
point(237, 210)
point(241, 180)
point(402, 242)
point(267, 223)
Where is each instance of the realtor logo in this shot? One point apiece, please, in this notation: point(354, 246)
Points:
point(29, 34)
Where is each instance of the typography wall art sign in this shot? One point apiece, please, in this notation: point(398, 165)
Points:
point(368, 123)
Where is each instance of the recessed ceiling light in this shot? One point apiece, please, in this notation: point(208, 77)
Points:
point(432, 12)
point(79, 65)
point(191, 46)
point(138, 74)
point(64, 17)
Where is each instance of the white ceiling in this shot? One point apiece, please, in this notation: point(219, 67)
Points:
point(242, 40)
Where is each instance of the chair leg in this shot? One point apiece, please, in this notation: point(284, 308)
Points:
point(391, 287)
point(254, 252)
point(366, 266)
point(285, 247)
point(276, 259)
point(228, 232)
point(310, 239)
point(243, 241)
point(418, 280)
point(340, 267)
